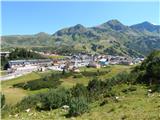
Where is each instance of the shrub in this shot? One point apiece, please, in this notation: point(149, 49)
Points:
point(7, 110)
point(77, 76)
point(79, 90)
point(96, 88)
point(30, 102)
point(56, 98)
point(2, 100)
point(153, 71)
point(149, 71)
point(78, 106)
point(45, 101)
point(155, 88)
point(94, 73)
point(46, 82)
point(65, 75)
point(95, 85)
point(120, 78)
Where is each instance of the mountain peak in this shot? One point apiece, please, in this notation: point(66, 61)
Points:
point(41, 34)
point(72, 30)
point(79, 26)
point(114, 21)
point(114, 24)
point(146, 26)
point(146, 23)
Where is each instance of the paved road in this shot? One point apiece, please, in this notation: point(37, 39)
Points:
point(14, 75)
point(22, 71)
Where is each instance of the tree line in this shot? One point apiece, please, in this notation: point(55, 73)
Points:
point(19, 54)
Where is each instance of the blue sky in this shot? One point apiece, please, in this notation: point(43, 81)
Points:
point(33, 17)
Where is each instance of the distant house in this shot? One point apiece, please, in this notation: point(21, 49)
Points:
point(75, 69)
point(42, 69)
point(126, 62)
point(103, 62)
point(94, 65)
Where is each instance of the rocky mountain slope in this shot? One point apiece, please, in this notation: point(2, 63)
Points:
point(111, 37)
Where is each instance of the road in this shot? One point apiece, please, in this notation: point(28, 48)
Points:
point(25, 70)
point(28, 69)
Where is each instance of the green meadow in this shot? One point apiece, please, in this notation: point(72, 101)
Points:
point(131, 105)
point(14, 95)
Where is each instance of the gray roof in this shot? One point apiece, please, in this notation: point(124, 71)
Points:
point(29, 61)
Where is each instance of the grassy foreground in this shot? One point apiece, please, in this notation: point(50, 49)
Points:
point(14, 95)
point(132, 105)
point(136, 105)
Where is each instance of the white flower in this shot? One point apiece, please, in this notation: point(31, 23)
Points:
point(117, 97)
point(149, 90)
point(28, 110)
point(65, 107)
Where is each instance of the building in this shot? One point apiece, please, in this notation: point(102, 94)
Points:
point(126, 62)
point(103, 62)
point(4, 54)
point(94, 65)
point(35, 62)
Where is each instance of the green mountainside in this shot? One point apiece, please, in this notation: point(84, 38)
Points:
point(111, 37)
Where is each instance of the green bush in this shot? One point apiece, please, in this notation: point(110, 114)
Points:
point(120, 78)
point(149, 71)
point(46, 82)
point(7, 110)
point(95, 85)
point(94, 73)
point(2, 100)
point(56, 98)
point(77, 76)
point(45, 101)
point(155, 88)
point(30, 102)
point(79, 90)
point(96, 88)
point(78, 106)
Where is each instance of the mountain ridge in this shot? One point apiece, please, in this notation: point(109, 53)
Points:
point(111, 37)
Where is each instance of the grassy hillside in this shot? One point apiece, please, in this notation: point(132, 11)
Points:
point(131, 106)
point(136, 104)
point(68, 82)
